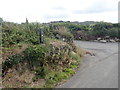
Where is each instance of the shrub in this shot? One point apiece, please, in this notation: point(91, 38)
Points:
point(59, 53)
point(61, 33)
point(113, 32)
point(34, 40)
point(36, 53)
point(41, 72)
point(12, 60)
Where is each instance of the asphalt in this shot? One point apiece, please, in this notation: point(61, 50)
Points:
point(99, 71)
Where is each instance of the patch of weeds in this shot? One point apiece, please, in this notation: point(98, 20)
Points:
point(74, 56)
point(54, 77)
point(51, 78)
point(73, 66)
point(69, 71)
point(41, 72)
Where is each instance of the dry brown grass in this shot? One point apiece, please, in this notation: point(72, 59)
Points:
point(80, 51)
point(21, 77)
point(6, 52)
point(20, 49)
point(89, 52)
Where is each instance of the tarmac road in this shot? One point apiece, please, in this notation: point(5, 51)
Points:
point(99, 71)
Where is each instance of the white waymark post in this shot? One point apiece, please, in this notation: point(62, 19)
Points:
point(41, 35)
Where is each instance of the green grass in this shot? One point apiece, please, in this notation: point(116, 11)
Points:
point(55, 77)
point(74, 56)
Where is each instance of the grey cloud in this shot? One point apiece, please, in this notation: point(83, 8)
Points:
point(54, 16)
point(58, 12)
point(97, 7)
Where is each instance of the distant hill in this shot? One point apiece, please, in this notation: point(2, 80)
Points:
point(88, 22)
point(76, 22)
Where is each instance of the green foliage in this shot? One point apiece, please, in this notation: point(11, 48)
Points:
point(43, 59)
point(62, 32)
point(101, 29)
point(54, 77)
point(41, 72)
point(14, 33)
point(113, 32)
point(69, 71)
point(34, 40)
point(13, 60)
point(89, 30)
point(105, 29)
point(73, 66)
point(59, 54)
point(76, 27)
point(48, 31)
point(92, 31)
point(29, 33)
point(36, 53)
point(74, 56)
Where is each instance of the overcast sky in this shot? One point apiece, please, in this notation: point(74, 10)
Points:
point(54, 10)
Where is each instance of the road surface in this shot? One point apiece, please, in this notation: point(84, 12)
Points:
point(99, 71)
